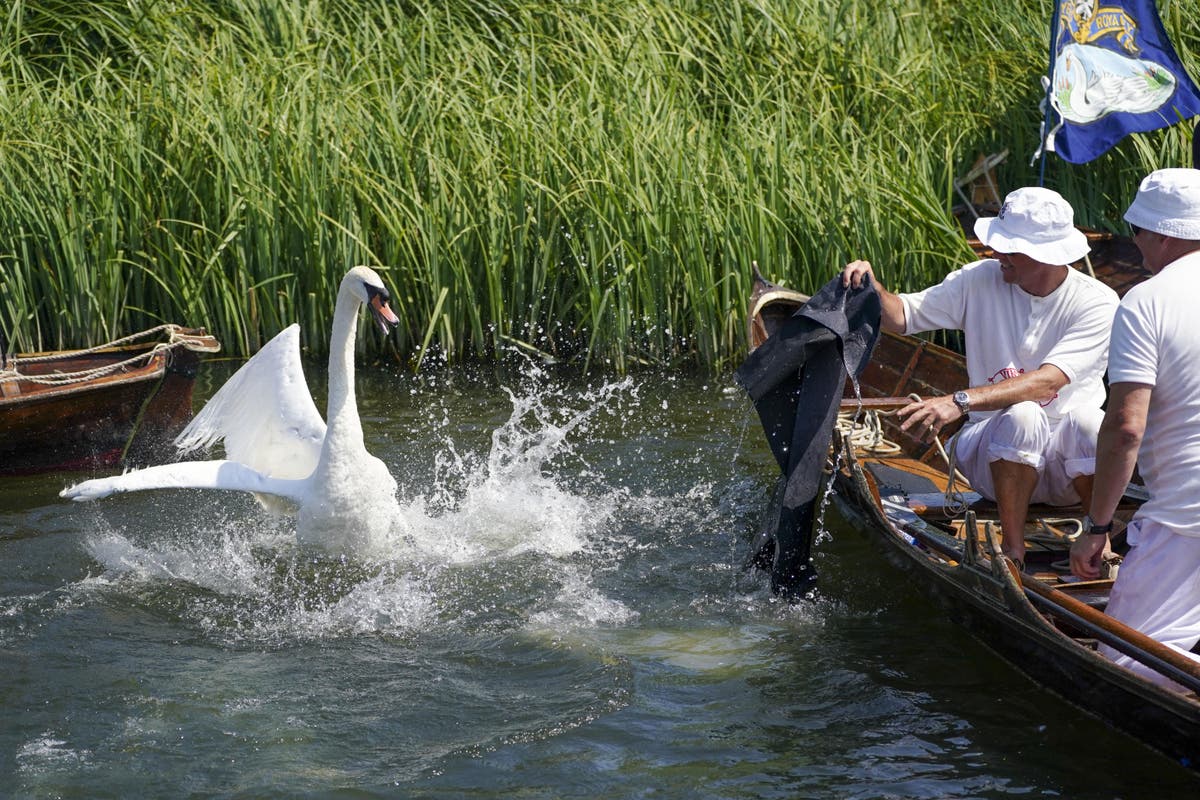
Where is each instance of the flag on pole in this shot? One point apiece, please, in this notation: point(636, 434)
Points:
point(1112, 72)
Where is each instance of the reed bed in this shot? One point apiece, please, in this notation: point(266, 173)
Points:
point(584, 181)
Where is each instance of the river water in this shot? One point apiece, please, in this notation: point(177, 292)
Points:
point(564, 614)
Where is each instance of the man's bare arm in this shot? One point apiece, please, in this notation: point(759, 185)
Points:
point(1040, 386)
point(1116, 455)
point(926, 418)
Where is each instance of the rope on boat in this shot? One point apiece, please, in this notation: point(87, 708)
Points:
point(63, 378)
point(65, 354)
point(866, 434)
point(955, 503)
point(1054, 530)
point(863, 429)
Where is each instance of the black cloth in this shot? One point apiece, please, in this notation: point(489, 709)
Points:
point(796, 379)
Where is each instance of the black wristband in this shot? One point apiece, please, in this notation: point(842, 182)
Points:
point(1091, 527)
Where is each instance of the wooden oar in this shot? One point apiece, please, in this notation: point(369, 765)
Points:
point(1099, 625)
point(875, 403)
point(1117, 635)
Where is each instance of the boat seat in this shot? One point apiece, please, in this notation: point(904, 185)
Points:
point(1036, 510)
point(1048, 529)
point(921, 486)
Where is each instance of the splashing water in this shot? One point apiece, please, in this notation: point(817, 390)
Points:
point(488, 526)
point(821, 535)
point(509, 502)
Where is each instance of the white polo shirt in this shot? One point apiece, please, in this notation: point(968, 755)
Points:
point(1156, 341)
point(1009, 331)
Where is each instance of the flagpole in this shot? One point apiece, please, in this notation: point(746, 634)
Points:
point(1054, 15)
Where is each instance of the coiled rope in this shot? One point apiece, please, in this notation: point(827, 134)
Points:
point(865, 432)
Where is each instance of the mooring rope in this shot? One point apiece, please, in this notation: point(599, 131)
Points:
point(954, 503)
point(62, 378)
point(65, 354)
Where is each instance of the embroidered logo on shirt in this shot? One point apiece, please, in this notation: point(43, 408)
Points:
point(1005, 374)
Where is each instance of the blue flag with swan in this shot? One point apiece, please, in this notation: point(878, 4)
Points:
point(1112, 72)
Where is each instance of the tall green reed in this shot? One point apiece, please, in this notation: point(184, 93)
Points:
point(584, 182)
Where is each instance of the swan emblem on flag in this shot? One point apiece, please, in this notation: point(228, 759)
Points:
point(1090, 81)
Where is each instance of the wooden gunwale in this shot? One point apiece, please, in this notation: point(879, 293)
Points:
point(29, 391)
point(1099, 625)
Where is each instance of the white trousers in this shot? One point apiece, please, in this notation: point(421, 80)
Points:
point(1158, 592)
point(1022, 433)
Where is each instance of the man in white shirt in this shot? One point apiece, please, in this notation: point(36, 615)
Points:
point(1153, 420)
point(1036, 335)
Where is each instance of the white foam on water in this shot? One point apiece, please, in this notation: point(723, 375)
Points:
point(260, 586)
point(579, 604)
point(384, 603)
point(226, 566)
point(503, 516)
point(46, 752)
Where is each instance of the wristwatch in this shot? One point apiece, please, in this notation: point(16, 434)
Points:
point(1090, 526)
point(963, 401)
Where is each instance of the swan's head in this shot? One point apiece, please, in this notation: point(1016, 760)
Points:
point(365, 284)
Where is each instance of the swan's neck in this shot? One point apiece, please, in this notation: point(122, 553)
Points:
point(342, 414)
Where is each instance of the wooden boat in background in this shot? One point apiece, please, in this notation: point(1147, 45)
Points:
point(118, 403)
point(893, 487)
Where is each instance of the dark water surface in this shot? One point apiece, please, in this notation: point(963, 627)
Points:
point(564, 614)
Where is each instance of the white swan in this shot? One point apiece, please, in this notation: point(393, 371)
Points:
point(277, 445)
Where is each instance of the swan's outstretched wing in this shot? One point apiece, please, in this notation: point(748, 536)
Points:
point(264, 413)
point(227, 475)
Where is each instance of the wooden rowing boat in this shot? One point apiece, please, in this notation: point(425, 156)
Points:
point(892, 487)
point(115, 404)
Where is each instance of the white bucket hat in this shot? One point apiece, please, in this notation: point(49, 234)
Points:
point(1037, 222)
point(1168, 202)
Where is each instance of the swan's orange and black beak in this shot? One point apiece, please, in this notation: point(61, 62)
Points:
point(378, 303)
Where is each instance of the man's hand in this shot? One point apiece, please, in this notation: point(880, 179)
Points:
point(852, 275)
point(925, 419)
point(856, 274)
point(1086, 554)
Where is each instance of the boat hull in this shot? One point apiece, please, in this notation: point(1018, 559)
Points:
point(1166, 720)
point(126, 417)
